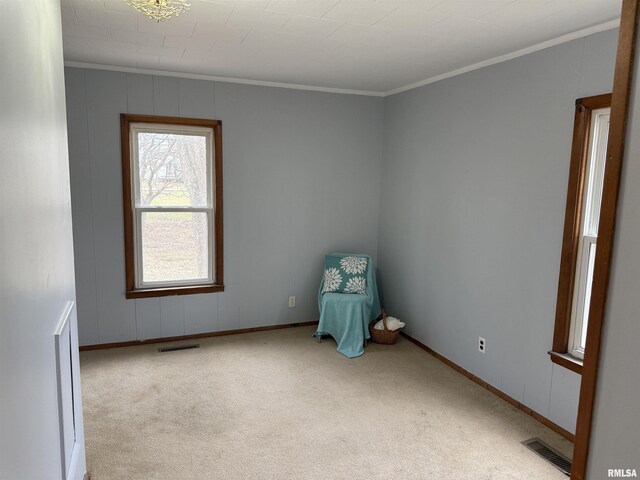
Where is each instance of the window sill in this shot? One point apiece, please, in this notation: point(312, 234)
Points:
point(167, 291)
point(567, 361)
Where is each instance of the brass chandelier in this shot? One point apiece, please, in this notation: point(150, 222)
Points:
point(160, 10)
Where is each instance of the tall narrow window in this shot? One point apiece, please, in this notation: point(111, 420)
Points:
point(589, 231)
point(172, 178)
point(584, 197)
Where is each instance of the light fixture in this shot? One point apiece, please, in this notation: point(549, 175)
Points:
point(160, 10)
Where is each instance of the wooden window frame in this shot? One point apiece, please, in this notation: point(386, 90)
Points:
point(129, 206)
point(572, 227)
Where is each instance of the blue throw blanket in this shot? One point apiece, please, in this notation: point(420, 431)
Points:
point(346, 316)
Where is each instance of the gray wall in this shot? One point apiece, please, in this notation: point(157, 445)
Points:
point(301, 178)
point(475, 175)
point(36, 255)
point(615, 435)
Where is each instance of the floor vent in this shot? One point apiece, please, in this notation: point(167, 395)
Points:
point(551, 455)
point(179, 347)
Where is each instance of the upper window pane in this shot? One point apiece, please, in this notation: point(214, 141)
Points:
point(597, 160)
point(172, 169)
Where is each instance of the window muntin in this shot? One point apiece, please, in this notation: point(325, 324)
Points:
point(173, 198)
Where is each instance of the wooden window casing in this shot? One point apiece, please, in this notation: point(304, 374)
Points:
point(572, 228)
point(133, 289)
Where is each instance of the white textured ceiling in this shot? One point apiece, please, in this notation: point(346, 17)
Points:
point(366, 45)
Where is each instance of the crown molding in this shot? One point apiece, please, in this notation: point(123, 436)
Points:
point(214, 78)
point(602, 27)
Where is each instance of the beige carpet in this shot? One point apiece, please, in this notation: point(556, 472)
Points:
point(278, 405)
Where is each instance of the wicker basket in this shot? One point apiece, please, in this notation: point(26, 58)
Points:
point(386, 336)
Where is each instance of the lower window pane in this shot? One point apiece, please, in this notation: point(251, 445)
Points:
point(587, 296)
point(175, 246)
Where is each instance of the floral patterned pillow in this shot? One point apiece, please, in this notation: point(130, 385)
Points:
point(345, 274)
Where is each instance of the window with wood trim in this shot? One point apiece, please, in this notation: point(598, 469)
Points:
point(172, 192)
point(586, 176)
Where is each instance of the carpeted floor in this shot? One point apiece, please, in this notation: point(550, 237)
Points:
point(278, 405)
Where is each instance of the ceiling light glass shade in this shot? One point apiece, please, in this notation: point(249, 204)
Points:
point(160, 10)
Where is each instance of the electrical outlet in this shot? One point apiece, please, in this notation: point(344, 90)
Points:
point(482, 345)
point(292, 302)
